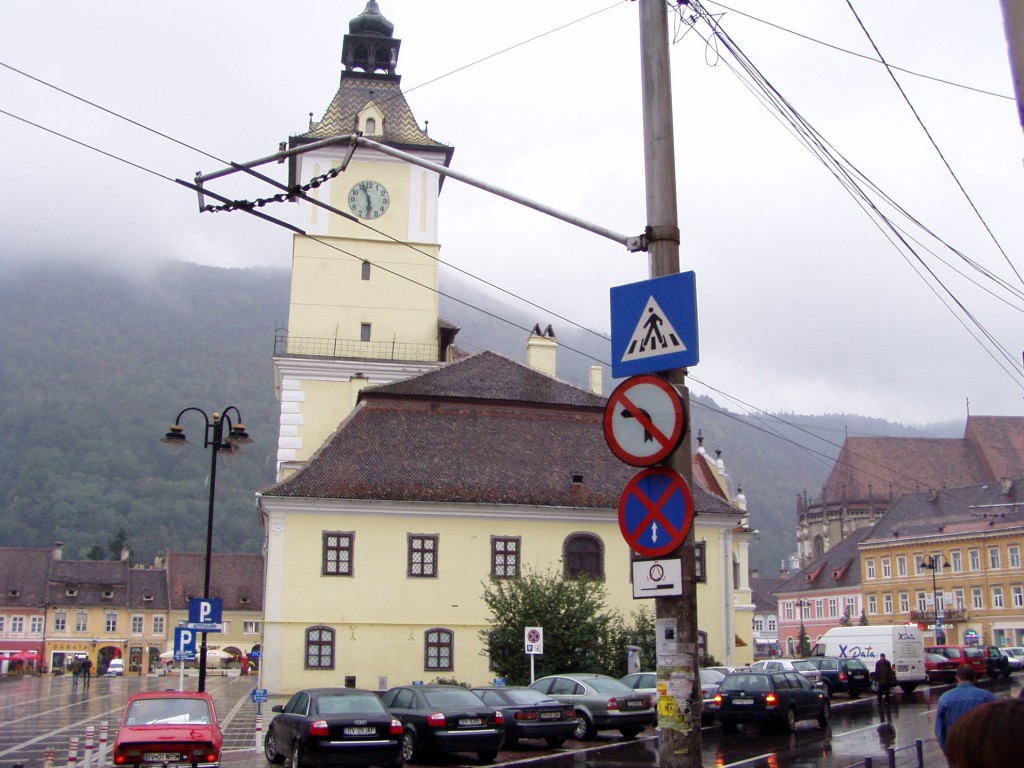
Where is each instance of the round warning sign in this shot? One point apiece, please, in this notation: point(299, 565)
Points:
point(644, 420)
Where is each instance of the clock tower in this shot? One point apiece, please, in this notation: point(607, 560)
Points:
point(363, 307)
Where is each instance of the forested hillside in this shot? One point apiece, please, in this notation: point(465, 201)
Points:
point(96, 363)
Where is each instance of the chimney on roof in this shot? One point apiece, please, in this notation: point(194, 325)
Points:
point(58, 550)
point(1007, 484)
point(125, 553)
point(933, 495)
point(596, 379)
point(158, 563)
point(541, 350)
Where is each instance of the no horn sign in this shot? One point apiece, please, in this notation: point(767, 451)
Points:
point(656, 511)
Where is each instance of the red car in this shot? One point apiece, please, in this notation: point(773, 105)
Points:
point(939, 668)
point(169, 728)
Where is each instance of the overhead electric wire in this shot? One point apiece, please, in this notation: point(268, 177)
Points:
point(931, 139)
point(330, 245)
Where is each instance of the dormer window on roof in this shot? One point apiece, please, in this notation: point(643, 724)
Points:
point(108, 594)
point(71, 591)
point(13, 592)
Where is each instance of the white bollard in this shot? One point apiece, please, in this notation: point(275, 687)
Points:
point(73, 752)
point(259, 732)
point(90, 745)
point(101, 757)
point(49, 759)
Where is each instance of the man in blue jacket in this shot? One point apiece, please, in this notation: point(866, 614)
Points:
point(958, 702)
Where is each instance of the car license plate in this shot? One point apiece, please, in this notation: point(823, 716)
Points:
point(161, 757)
point(902, 668)
point(634, 704)
point(550, 715)
point(361, 730)
point(742, 701)
point(466, 722)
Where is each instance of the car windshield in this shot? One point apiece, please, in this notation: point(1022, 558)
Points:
point(338, 705)
point(169, 711)
point(802, 666)
point(452, 697)
point(745, 682)
point(608, 685)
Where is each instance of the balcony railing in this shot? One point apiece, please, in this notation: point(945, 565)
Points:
point(949, 615)
point(307, 346)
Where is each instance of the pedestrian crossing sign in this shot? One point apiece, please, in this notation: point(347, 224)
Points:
point(654, 325)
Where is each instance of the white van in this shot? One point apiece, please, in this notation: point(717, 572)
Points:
point(115, 667)
point(902, 645)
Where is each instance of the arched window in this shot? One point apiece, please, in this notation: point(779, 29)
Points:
point(819, 546)
point(371, 127)
point(439, 650)
point(319, 648)
point(790, 647)
point(583, 555)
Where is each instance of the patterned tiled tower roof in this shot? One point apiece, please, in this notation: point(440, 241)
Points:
point(370, 56)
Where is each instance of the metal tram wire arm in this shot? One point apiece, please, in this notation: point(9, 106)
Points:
point(214, 439)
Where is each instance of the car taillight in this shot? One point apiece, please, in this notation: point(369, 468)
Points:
point(718, 699)
point(613, 703)
point(570, 714)
point(396, 727)
point(842, 676)
point(499, 717)
point(319, 728)
point(771, 699)
point(436, 720)
point(526, 715)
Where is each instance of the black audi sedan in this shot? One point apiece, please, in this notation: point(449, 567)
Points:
point(770, 698)
point(445, 718)
point(530, 714)
point(334, 726)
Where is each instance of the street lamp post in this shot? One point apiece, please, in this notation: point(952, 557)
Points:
point(215, 440)
point(801, 604)
point(934, 563)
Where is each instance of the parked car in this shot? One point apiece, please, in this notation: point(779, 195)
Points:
point(646, 682)
point(445, 718)
point(334, 726)
point(940, 669)
point(161, 728)
point(997, 663)
point(780, 697)
point(530, 714)
point(1015, 652)
point(962, 654)
point(602, 703)
point(803, 666)
point(115, 667)
point(841, 675)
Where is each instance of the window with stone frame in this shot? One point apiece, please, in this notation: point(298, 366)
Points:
point(505, 553)
point(422, 558)
point(319, 648)
point(583, 555)
point(338, 554)
point(439, 650)
point(60, 621)
point(700, 562)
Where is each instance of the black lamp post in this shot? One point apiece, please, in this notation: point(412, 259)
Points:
point(934, 563)
point(215, 440)
point(804, 650)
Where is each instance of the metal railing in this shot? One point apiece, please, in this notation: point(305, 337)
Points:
point(308, 346)
point(891, 754)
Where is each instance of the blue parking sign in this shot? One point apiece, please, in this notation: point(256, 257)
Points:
point(205, 613)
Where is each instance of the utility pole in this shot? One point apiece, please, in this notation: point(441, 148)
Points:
point(676, 618)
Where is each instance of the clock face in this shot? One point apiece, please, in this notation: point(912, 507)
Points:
point(368, 199)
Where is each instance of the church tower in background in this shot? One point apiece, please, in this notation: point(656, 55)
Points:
point(364, 305)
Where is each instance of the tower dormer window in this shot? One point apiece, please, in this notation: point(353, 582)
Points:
point(371, 125)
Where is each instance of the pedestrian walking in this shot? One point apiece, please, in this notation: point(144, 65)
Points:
point(885, 678)
point(958, 702)
point(988, 736)
point(76, 670)
point(86, 671)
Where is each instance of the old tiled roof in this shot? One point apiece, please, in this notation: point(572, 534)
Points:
point(23, 574)
point(836, 569)
point(705, 474)
point(762, 593)
point(94, 582)
point(999, 442)
point(356, 92)
point(953, 511)
point(884, 468)
point(484, 430)
point(237, 579)
point(147, 589)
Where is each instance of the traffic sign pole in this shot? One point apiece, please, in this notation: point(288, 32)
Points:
point(680, 743)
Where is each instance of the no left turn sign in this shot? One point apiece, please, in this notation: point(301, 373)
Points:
point(644, 420)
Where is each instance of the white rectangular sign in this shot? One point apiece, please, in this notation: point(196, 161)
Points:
point(657, 578)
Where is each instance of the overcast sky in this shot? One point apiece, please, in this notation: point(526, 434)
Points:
point(805, 304)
